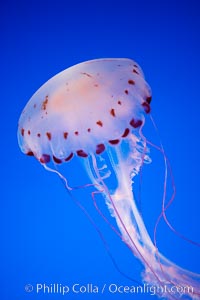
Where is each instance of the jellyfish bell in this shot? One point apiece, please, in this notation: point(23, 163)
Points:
point(84, 107)
point(95, 111)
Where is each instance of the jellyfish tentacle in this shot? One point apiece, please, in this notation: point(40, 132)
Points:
point(186, 276)
point(63, 179)
point(115, 231)
point(128, 231)
point(159, 270)
point(159, 264)
point(165, 205)
point(84, 210)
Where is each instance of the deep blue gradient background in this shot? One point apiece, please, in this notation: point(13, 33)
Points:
point(45, 238)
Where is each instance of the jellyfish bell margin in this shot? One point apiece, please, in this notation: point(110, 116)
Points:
point(95, 111)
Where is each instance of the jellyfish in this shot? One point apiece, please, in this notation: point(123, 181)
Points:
point(95, 112)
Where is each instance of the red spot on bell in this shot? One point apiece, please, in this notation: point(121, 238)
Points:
point(100, 148)
point(57, 160)
point(114, 142)
point(112, 112)
point(135, 123)
point(48, 134)
point(69, 157)
point(45, 158)
point(146, 106)
point(81, 153)
point(99, 123)
point(135, 71)
point(131, 81)
point(22, 131)
point(87, 74)
point(65, 134)
point(44, 103)
point(126, 132)
point(148, 99)
point(30, 153)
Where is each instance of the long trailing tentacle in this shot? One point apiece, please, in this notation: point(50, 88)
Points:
point(166, 204)
point(91, 220)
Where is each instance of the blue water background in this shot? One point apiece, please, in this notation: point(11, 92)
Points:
point(45, 238)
